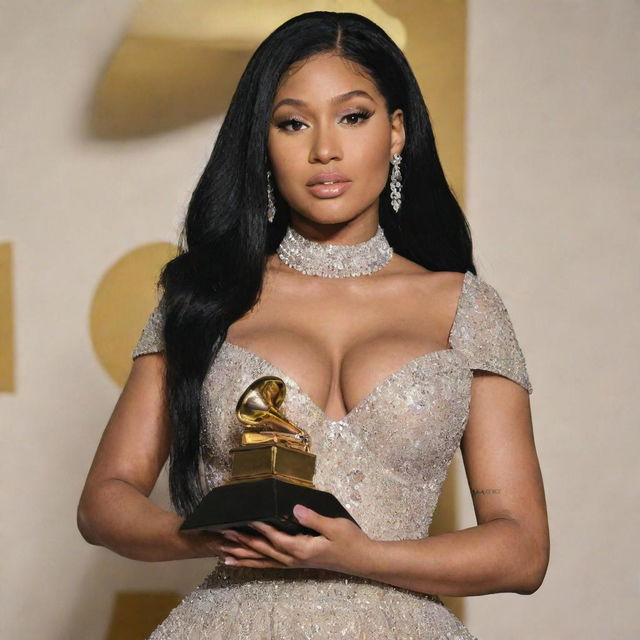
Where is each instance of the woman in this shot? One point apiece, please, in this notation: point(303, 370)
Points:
point(394, 353)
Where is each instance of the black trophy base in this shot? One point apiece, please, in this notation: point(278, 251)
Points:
point(270, 500)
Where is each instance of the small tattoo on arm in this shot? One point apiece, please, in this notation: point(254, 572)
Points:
point(475, 492)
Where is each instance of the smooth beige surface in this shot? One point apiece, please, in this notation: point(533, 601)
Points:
point(552, 193)
point(550, 190)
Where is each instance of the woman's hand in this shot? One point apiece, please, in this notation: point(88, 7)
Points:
point(342, 545)
point(212, 544)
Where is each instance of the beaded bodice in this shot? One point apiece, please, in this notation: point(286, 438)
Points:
point(386, 460)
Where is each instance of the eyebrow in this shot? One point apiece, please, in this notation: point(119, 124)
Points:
point(343, 97)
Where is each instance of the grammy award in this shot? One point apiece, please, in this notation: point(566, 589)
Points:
point(271, 471)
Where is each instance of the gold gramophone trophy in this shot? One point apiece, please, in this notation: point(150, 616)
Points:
point(271, 471)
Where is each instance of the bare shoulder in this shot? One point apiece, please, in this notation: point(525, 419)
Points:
point(445, 285)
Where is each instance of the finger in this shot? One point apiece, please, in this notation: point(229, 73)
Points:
point(233, 544)
point(256, 564)
point(240, 551)
point(263, 545)
point(312, 519)
point(234, 541)
point(280, 540)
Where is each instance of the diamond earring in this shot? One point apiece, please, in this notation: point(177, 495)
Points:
point(396, 185)
point(271, 205)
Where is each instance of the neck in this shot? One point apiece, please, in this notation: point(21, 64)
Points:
point(340, 233)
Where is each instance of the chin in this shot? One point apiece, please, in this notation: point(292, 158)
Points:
point(341, 215)
point(337, 220)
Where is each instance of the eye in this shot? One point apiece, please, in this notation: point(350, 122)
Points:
point(357, 117)
point(365, 115)
point(285, 123)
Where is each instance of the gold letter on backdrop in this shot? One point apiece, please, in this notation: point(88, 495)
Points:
point(7, 377)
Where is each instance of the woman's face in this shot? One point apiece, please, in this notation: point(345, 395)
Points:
point(328, 118)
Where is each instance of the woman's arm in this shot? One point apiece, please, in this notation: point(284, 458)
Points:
point(115, 510)
point(508, 551)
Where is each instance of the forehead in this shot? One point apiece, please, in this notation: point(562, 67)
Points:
point(323, 76)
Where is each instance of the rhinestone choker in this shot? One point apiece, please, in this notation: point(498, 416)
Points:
point(334, 260)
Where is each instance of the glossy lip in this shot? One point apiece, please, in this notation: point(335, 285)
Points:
point(327, 177)
point(329, 190)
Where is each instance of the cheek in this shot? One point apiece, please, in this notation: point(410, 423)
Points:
point(369, 165)
point(292, 175)
point(289, 164)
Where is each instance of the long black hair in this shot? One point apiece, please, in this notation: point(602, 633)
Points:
point(216, 277)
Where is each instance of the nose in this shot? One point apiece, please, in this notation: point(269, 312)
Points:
point(325, 145)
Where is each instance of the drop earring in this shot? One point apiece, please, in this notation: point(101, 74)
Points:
point(396, 185)
point(271, 205)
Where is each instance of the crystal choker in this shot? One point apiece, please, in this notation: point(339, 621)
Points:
point(334, 260)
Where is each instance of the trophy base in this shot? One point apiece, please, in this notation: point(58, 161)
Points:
point(270, 500)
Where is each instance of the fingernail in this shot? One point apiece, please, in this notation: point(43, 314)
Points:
point(300, 510)
point(230, 561)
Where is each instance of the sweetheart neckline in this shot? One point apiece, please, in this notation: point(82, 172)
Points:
point(377, 388)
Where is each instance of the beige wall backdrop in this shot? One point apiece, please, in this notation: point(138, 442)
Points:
point(102, 139)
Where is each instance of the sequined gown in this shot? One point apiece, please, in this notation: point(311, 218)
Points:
point(386, 461)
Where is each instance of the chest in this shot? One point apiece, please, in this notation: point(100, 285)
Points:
point(339, 350)
point(392, 450)
point(404, 430)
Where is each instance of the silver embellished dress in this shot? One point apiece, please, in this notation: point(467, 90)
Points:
point(386, 461)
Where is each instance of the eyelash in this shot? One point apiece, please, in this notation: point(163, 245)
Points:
point(365, 115)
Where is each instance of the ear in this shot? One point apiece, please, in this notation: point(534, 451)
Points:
point(397, 132)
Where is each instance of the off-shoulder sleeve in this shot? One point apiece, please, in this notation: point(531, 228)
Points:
point(483, 331)
point(152, 337)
